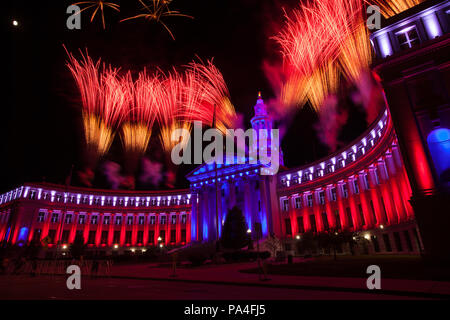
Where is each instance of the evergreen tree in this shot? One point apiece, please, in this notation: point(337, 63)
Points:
point(234, 233)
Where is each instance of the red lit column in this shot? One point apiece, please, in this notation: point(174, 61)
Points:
point(386, 192)
point(364, 196)
point(341, 206)
point(293, 216)
point(111, 230)
point(405, 187)
point(330, 207)
point(73, 227)
point(352, 200)
point(398, 201)
point(188, 227)
point(375, 195)
point(86, 226)
point(178, 227)
point(122, 230)
point(134, 228)
point(157, 224)
point(99, 229)
point(146, 222)
point(46, 226)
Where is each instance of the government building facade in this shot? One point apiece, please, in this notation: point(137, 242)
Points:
point(390, 184)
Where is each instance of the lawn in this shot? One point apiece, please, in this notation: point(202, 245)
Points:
point(392, 266)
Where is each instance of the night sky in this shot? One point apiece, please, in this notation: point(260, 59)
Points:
point(41, 123)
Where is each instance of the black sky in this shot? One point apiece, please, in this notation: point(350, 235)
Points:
point(40, 122)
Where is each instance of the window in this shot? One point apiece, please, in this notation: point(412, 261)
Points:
point(116, 238)
point(162, 220)
point(326, 226)
point(68, 219)
point(81, 219)
point(174, 219)
point(287, 223)
point(52, 235)
point(151, 236)
point(65, 236)
point(376, 246)
point(94, 219)
point(106, 220)
point(298, 203)
point(183, 219)
point(312, 220)
point(118, 220)
point(361, 214)
point(285, 204)
point(366, 182)
point(408, 240)
point(355, 183)
point(300, 225)
point(373, 212)
point(162, 234)
point(398, 242)
point(349, 216)
point(387, 242)
point(310, 200)
point(91, 237)
point(152, 219)
point(173, 235)
point(377, 179)
point(407, 38)
point(55, 218)
point(141, 220)
point(338, 219)
point(104, 237)
point(128, 237)
point(322, 197)
point(333, 194)
point(183, 235)
point(140, 236)
point(129, 220)
point(41, 217)
point(37, 235)
point(345, 190)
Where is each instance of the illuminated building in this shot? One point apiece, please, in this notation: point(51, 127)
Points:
point(109, 221)
point(390, 184)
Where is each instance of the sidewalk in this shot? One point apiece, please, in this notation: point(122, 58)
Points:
point(229, 274)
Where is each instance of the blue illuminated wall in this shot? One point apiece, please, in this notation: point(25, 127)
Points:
point(439, 145)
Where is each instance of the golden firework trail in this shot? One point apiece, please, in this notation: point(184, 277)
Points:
point(99, 7)
point(156, 10)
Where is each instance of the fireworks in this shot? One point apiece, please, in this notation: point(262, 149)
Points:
point(390, 8)
point(103, 99)
point(99, 6)
point(169, 97)
point(156, 10)
point(320, 41)
point(141, 114)
point(308, 45)
point(214, 92)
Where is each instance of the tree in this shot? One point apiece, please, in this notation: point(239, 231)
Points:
point(77, 247)
point(307, 243)
point(272, 244)
point(234, 234)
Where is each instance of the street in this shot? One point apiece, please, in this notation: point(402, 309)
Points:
point(54, 287)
